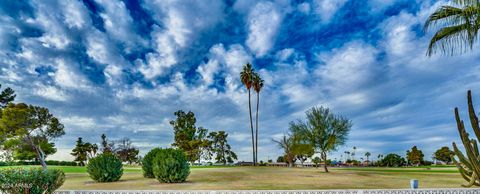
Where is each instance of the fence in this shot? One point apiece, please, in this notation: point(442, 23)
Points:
point(362, 191)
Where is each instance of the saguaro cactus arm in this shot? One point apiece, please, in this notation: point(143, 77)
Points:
point(468, 164)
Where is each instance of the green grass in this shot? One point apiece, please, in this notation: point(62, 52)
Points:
point(272, 178)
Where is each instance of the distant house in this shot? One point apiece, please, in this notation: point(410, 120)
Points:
point(242, 163)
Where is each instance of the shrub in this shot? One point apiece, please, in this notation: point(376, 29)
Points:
point(105, 168)
point(171, 166)
point(32, 180)
point(147, 165)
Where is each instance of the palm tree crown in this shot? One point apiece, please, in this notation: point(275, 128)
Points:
point(459, 24)
point(257, 82)
point(246, 76)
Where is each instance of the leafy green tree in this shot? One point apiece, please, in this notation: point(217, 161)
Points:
point(316, 161)
point(220, 147)
point(415, 156)
point(125, 151)
point(187, 137)
point(393, 160)
point(301, 148)
point(257, 83)
point(246, 76)
point(31, 124)
point(444, 154)
point(459, 24)
point(22, 150)
point(324, 130)
point(80, 152)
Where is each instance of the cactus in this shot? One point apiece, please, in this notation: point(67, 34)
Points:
point(469, 165)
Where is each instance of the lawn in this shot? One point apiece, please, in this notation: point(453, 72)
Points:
point(244, 178)
point(275, 178)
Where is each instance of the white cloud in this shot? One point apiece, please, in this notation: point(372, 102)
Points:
point(50, 93)
point(263, 24)
point(75, 123)
point(102, 50)
point(326, 9)
point(67, 77)
point(120, 29)
point(230, 61)
point(181, 27)
point(75, 13)
point(349, 67)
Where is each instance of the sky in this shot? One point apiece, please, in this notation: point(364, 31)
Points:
point(124, 67)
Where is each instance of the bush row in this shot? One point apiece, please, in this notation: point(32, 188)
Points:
point(49, 162)
point(30, 180)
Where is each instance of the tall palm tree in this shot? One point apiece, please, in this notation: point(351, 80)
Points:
point(368, 154)
point(257, 86)
point(246, 76)
point(459, 24)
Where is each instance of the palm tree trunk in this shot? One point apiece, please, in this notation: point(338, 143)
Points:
point(251, 127)
point(256, 131)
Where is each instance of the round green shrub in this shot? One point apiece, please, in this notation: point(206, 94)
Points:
point(171, 166)
point(32, 180)
point(105, 168)
point(147, 165)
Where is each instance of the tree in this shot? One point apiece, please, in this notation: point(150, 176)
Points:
point(393, 160)
point(257, 83)
point(80, 152)
point(187, 137)
point(459, 24)
point(281, 159)
point(286, 143)
point(22, 150)
point(316, 161)
point(220, 147)
point(92, 150)
point(6, 96)
point(246, 76)
point(125, 151)
point(368, 154)
point(301, 148)
point(444, 154)
point(324, 130)
point(415, 156)
point(106, 147)
point(31, 124)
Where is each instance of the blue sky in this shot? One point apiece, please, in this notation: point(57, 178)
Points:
point(123, 67)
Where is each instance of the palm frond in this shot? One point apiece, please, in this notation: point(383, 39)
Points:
point(451, 40)
point(466, 2)
point(445, 15)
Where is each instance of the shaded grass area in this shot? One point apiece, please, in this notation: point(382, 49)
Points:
point(276, 178)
